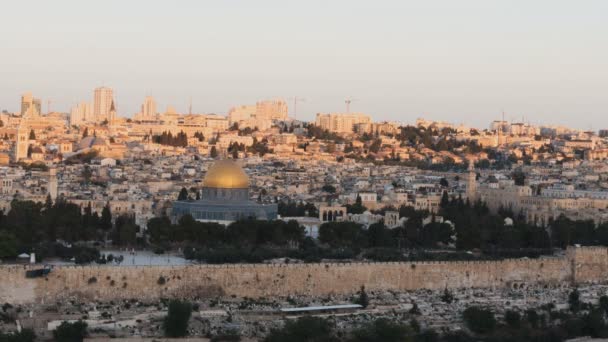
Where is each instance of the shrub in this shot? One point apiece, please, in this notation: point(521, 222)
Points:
point(70, 332)
point(304, 329)
point(479, 320)
point(176, 322)
point(513, 318)
point(363, 299)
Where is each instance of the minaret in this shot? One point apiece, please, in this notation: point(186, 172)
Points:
point(22, 143)
point(472, 182)
point(52, 187)
point(112, 114)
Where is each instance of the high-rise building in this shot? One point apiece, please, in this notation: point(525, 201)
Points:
point(30, 106)
point(81, 113)
point(148, 109)
point(241, 113)
point(271, 110)
point(103, 102)
point(341, 122)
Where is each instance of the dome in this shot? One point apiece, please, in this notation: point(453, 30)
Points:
point(226, 174)
point(91, 141)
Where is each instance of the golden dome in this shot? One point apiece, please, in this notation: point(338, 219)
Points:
point(226, 174)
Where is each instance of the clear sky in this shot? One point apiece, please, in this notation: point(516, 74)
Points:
point(460, 61)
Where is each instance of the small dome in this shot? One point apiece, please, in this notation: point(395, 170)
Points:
point(226, 174)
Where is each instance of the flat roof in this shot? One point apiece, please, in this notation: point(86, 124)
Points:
point(319, 308)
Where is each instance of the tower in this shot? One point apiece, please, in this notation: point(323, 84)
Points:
point(148, 109)
point(53, 183)
point(471, 182)
point(112, 114)
point(30, 106)
point(102, 103)
point(22, 143)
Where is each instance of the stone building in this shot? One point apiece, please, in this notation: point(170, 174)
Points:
point(224, 197)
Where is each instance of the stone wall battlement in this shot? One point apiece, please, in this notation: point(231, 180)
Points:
point(578, 265)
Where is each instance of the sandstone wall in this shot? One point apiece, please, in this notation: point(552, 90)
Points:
point(261, 280)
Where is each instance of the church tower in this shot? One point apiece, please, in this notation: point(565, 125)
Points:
point(22, 143)
point(472, 183)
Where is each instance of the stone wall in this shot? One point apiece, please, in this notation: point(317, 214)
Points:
point(579, 265)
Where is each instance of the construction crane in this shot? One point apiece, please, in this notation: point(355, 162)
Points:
point(295, 100)
point(348, 101)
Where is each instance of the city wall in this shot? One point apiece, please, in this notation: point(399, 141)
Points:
point(579, 265)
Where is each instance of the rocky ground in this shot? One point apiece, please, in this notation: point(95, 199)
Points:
point(253, 318)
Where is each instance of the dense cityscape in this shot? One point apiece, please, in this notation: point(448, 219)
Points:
point(303, 171)
point(90, 187)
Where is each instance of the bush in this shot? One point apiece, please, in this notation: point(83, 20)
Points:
point(382, 330)
point(176, 322)
point(513, 318)
point(363, 299)
point(479, 320)
point(70, 332)
point(26, 335)
point(304, 329)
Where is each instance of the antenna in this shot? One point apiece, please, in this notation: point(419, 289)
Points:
point(348, 101)
point(295, 105)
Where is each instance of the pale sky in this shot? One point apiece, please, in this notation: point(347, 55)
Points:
point(461, 61)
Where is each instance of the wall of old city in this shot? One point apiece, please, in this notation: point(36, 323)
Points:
point(268, 280)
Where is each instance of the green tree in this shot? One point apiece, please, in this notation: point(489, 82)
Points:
point(479, 320)
point(105, 223)
point(513, 319)
point(85, 133)
point(304, 329)
point(32, 135)
point(383, 330)
point(176, 322)
point(26, 335)
point(213, 152)
point(8, 245)
point(363, 299)
point(183, 195)
point(574, 300)
point(70, 332)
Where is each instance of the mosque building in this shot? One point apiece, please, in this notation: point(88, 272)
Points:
point(224, 197)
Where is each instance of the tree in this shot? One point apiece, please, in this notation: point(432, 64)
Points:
point(513, 319)
point(70, 332)
point(26, 335)
point(479, 320)
point(363, 299)
point(447, 296)
point(213, 152)
point(105, 223)
point(8, 245)
point(604, 304)
point(176, 322)
point(304, 329)
point(574, 300)
point(85, 133)
point(32, 135)
point(86, 174)
point(183, 195)
point(382, 330)
point(444, 182)
point(329, 188)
